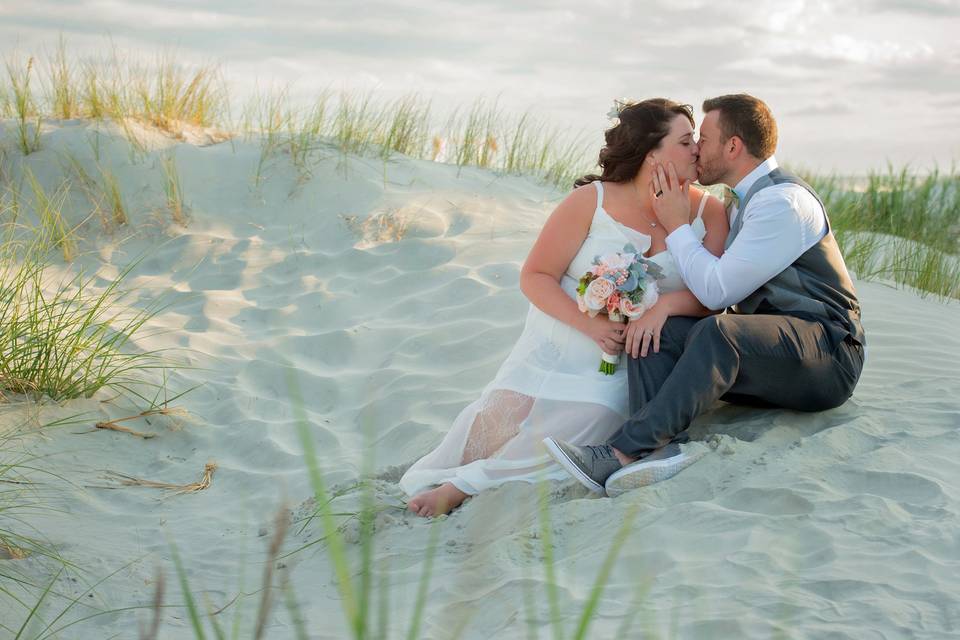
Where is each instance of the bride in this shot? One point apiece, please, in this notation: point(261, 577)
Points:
point(550, 384)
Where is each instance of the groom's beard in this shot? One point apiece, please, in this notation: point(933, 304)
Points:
point(708, 174)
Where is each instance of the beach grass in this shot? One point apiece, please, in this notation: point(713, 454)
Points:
point(172, 96)
point(474, 134)
point(408, 128)
point(54, 230)
point(61, 335)
point(898, 225)
point(172, 189)
point(63, 89)
point(113, 196)
point(358, 123)
point(266, 116)
point(162, 93)
point(304, 131)
point(23, 103)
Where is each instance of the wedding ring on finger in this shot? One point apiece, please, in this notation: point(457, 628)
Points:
point(658, 193)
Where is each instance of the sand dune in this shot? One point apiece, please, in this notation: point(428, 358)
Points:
point(390, 292)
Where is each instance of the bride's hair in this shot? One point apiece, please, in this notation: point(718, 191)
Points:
point(641, 128)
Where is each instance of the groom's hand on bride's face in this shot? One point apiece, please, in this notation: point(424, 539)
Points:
point(672, 205)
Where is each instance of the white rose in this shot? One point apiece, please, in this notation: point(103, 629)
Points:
point(651, 295)
point(618, 261)
point(631, 310)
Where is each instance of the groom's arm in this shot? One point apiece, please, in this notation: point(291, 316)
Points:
point(780, 224)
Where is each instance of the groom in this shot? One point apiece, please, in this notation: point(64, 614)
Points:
point(790, 336)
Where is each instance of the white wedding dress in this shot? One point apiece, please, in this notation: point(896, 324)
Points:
point(549, 385)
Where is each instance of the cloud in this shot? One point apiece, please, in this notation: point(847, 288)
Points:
point(923, 7)
point(819, 108)
point(810, 59)
point(917, 76)
point(846, 49)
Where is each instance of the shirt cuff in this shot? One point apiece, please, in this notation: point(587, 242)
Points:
point(681, 240)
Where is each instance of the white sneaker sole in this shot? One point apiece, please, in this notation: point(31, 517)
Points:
point(571, 468)
point(641, 474)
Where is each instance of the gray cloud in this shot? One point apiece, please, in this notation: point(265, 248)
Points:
point(823, 108)
point(936, 79)
point(924, 7)
point(811, 60)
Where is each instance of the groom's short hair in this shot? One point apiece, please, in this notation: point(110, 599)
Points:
point(749, 119)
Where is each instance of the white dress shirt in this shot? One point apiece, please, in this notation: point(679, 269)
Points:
point(779, 224)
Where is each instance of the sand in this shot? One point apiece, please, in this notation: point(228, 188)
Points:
point(390, 292)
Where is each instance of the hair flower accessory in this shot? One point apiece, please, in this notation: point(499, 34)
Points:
point(619, 104)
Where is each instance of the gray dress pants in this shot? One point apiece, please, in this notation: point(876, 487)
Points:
point(756, 359)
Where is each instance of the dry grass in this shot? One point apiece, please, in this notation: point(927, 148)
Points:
point(114, 425)
point(172, 97)
point(12, 552)
point(388, 226)
point(193, 487)
point(63, 89)
point(280, 525)
point(173, 190)
point(25, 108)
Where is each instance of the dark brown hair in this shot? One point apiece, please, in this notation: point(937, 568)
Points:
point(641, 128)
point(749, 119)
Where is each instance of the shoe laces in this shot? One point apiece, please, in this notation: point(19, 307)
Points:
point(600, 451)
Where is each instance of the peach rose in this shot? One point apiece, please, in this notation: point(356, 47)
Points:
point(597, 293)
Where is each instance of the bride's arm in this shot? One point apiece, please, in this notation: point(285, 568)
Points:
point(558, 243)
point(717, 226)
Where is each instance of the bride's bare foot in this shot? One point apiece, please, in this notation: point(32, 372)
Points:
point(437, 501)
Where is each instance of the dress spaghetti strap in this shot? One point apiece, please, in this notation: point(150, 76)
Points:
point(599, 193)
point(703, 203)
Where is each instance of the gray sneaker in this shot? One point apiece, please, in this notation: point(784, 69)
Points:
point(663, 463)
point(590, 464)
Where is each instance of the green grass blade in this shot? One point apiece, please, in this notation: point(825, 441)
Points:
point(421, 602)
point(187, 594)
point(604, 574)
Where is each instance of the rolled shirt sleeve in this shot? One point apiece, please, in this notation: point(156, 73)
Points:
point(780, 223)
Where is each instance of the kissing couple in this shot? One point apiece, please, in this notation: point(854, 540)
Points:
point(755, 307)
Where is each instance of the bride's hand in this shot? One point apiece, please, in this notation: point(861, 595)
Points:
point(670, 197)
point(644, 331)
point(606, 333)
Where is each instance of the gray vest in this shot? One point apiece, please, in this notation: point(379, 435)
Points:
point(815, 287)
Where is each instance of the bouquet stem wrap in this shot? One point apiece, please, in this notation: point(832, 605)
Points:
point(608, 363)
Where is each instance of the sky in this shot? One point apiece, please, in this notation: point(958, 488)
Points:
point(854, 84)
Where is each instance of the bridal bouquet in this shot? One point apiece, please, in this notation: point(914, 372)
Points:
point(622, 285)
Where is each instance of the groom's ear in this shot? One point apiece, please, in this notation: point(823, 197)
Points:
point(734, 147)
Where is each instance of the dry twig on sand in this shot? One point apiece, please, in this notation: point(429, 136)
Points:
point(112, 426)
point(165, 411)
point(202, 484)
